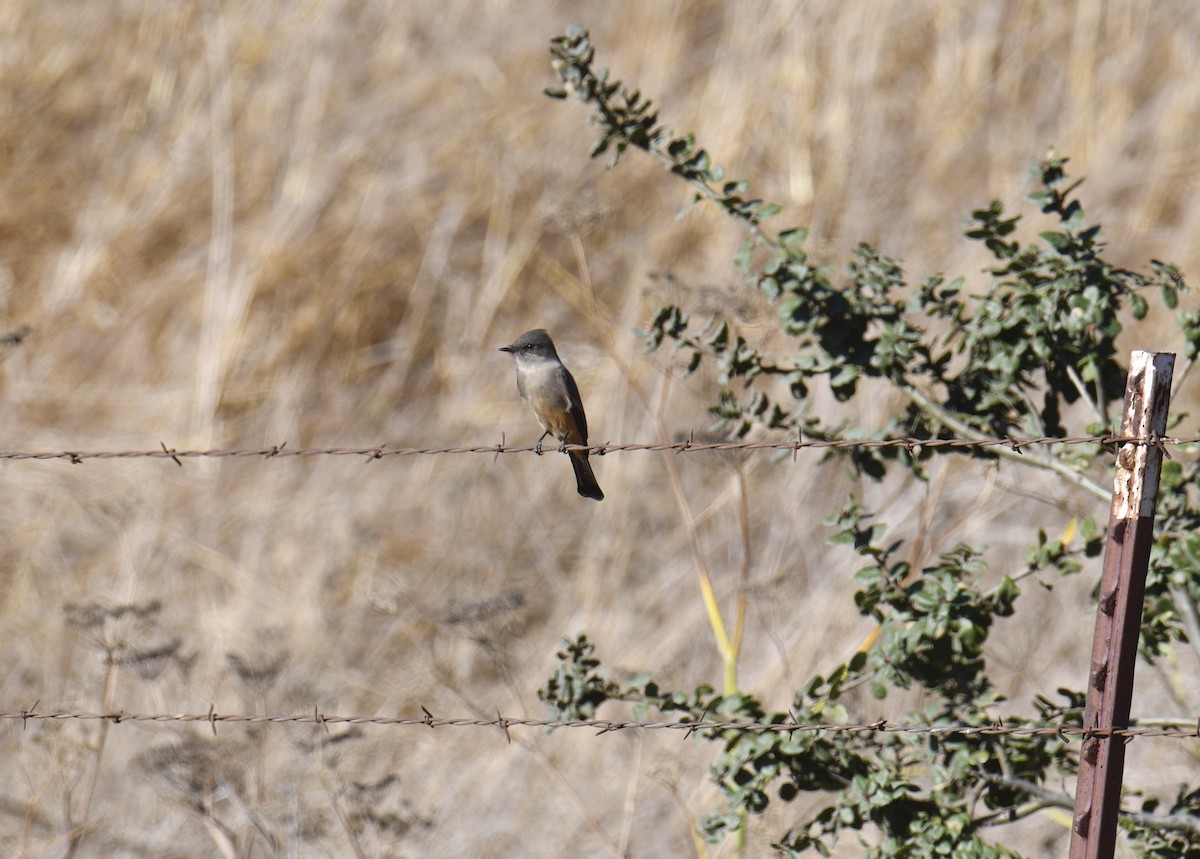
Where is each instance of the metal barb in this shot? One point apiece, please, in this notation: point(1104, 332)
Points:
point(171, 453)
point(25, 714)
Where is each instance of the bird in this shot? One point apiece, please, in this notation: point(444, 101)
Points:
point(549, 389)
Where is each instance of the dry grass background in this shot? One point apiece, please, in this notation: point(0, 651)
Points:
point(244, 223)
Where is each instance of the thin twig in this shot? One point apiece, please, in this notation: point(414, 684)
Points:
point(1047, 462)
point(1175, 822)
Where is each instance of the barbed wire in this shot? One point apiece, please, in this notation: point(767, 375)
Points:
point(374, 452)
point(604, 726)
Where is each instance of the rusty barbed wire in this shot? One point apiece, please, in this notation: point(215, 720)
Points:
point(604, 726)
point(687, 446)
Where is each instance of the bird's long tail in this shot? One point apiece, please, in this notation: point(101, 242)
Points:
point(585, 480)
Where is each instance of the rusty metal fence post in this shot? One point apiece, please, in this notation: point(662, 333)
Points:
point(1119, 612)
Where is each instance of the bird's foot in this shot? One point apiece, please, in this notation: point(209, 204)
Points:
point(537, 448)
point(562, 446)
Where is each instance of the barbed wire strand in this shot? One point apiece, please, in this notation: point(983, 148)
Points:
point(604, 726)
point(688, 446)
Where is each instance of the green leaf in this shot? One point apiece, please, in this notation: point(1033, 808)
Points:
point(744, 254)
point(793, 237)
point(1058, 241)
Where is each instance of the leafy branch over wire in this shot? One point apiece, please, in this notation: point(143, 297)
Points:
point(1045, 327)
point(1031, 352)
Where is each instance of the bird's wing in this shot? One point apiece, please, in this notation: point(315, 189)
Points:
point(576, 405)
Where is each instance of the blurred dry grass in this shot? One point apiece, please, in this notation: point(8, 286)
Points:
point(315, 222)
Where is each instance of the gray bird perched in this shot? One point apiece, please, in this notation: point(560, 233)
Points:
point(550, 391)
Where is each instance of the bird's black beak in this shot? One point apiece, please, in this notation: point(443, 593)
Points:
point(506, 348)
